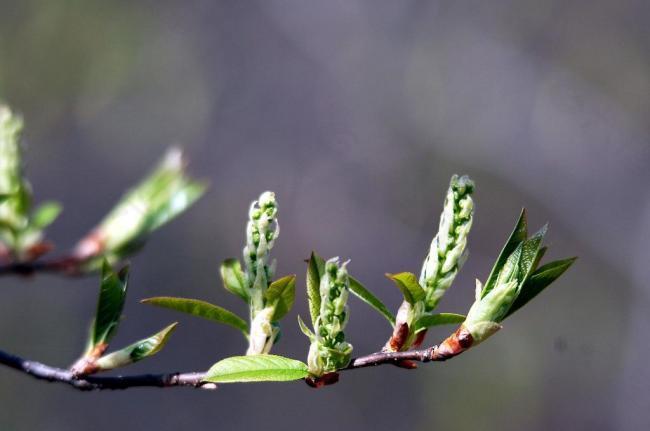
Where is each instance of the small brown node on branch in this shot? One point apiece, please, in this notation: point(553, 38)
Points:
point(87, 364)
point(324, 380)
point(454, 345)
point(397, 340)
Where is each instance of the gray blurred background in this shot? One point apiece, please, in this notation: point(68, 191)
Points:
point(356, 113)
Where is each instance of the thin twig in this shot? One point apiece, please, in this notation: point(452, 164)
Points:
point(453, 345)
point(394, 358)
point(86, 383)
point(68, 266)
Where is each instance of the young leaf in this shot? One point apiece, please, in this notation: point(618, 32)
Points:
point(256, 368)
point(305, 330)
point(429, 320)
point(315, 270)
point(162, 195)
point(519, 234)
point(408, 283)
point(136, 351)
point(529, 253)
point(112, 295)
point(202, 309)
point(183, 198)
point(366, 296)
point(540, 254)
point(282, 290)
point(45, 215)
point(234, 279)
point(539, 280)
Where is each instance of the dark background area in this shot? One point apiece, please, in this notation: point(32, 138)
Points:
point(355, 113)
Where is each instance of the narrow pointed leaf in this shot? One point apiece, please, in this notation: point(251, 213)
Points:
point(519, 234)
point(136, 351)
point(540, 280)
point(305, 330)
point(45, 215)
point(202, 309)
point(408, 283)
point(529, 253)
point(234, 279)
point(540, 254)
point(256, 368)
point(282, 290)
point(112, 295)
point(162, 195)
point(178, 202)
point(369, 298)
point(430, 320)
point(315, 270)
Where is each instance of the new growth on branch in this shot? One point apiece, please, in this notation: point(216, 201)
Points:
point(515, 279)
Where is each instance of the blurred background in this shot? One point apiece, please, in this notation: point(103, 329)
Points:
point(355, 113)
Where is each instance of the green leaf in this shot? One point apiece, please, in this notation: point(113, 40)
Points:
point(429, 320)
point(529, 253)
point(256, 368)
point(160, 196)
point(315, 270)
point(366, 296)
point(178, 202)
point(234, 279)
point(136, 351)
point(112, 295)
point(305, 330)
point(540, 254)
point(200, 308)
point(519, 234)
point(407, 282)
point(282, 290)
point(45, 214)
point(539, 280)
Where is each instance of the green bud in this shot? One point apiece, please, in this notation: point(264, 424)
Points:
point(135, 352)
point(262, 230)
point(160, 197)
point(490, 309)
point(448, 248)
point(446, 256)
point(263, 332)
point(21, 230)
point(329, 351)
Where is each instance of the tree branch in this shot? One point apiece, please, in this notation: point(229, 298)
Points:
point(69, 266)
point(454, 345)
point(394, 358)
point(86, 383)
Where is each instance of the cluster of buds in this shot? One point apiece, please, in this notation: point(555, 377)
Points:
point(161, 196)
point(446, 256)
point(268, 300)
point(21, 230)
point(262, 230)
point(329, 351)
point(448, 249)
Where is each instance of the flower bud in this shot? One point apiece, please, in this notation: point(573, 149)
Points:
point(329, 351)
point(448, 248)
point(21, 230)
